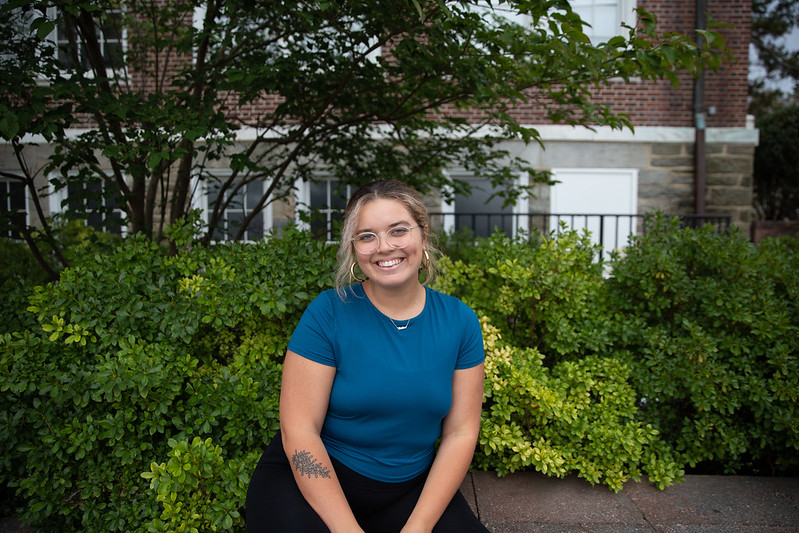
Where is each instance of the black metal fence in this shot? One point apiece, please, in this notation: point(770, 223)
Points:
point(610, 231)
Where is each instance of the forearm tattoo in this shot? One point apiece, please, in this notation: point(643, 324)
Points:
point(307, 465)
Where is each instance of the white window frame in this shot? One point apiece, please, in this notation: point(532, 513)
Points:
point(449, 212)
point(26, 200)
point(199, 200)
point(59, 197)
point(625, 14)
point(110, 72)
point(304, 207)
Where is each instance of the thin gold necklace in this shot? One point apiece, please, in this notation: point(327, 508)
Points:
point(400, 328)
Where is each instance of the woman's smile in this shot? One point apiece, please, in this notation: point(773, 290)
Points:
point(387, 263)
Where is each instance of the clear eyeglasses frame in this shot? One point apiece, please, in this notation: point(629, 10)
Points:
point(367, 242)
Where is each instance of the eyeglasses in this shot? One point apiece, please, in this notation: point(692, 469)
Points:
point(368, 242)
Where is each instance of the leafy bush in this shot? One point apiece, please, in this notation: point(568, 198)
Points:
point(542, 293)
point(580, 416)
point(141, 389)
point(198, 490)
point(712, 327)
point(19, 274)
point(701, 326)
point(136, 354)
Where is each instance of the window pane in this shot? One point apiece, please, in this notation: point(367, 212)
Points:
point(16, 194)
point(336, 219)
point(113, 55)
point(74, 191)
point(587, 14)
point(115, 223)
point(602, 15)
point(237, 201)
point(112, 27)
point(115, 220)
point(110, 203)
point(319, 195)
point(213, 190)
point(328, 201)
point(110, 33)
point(318, 224)
point(254, 193)
point(338, 196)
point(18, 219)
point(238, 209)
point(94, 219)
point(255, 231)
point(12, 196)
point(219, 231)
point(605, 23)
point(480, 215)
point(65, 49)
point(99, 209)
point(235, 221)
point(64, 58)
point(93, 203)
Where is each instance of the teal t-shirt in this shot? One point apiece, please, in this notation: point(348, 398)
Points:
point(392, 387)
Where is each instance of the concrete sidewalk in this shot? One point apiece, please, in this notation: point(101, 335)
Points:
point(532, 502)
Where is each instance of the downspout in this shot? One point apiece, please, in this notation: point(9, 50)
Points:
point(700, 150)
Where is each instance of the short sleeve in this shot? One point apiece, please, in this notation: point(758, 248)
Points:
point(312, 338)
point(472, 351)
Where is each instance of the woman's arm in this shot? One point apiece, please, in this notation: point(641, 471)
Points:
point(458, 438)
point(304, 398)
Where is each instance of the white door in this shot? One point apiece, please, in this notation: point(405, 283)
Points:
point(586, 193)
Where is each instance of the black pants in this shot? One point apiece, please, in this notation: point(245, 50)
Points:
point(275, 503)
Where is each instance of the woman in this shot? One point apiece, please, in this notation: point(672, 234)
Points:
point(375, 374)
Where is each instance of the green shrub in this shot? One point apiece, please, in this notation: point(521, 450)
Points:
point(145, 385)
point(700, 328)
point(136, 352)
point(198, 490)
point(579, 416)
point(779, 258)
point(542, 293)
point(711, 324)
point(19, 274)
point(558, 396)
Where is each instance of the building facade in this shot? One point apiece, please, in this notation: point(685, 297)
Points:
point(691, 150)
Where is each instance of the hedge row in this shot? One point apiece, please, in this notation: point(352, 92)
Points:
point(138, 392)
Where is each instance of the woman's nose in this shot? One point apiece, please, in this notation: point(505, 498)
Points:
point(382, 243)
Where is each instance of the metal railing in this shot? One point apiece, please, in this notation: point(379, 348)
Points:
point(610, 231)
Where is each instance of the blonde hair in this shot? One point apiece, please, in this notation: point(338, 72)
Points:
point(388, 190)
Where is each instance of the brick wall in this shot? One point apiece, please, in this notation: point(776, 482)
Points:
point(657, 103)
point(727, 88)
point(647, 103)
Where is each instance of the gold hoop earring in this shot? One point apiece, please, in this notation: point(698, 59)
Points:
point(352, 273)
point(424, 266)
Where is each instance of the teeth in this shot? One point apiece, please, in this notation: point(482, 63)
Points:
point(389, 263)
